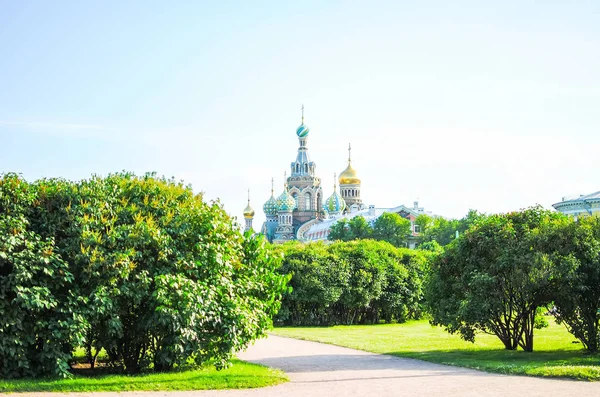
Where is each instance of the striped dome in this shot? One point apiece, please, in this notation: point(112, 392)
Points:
point(302, 131)
point(335, 204)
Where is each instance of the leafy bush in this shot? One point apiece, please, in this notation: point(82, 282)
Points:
point(37, 324)
point(353, 282)
point(152, 273)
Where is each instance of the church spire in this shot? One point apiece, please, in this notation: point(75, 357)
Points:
point(248, 215)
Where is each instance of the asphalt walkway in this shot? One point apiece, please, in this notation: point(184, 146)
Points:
point(317, 369)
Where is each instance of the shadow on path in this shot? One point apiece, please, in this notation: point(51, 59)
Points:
point(358, 362)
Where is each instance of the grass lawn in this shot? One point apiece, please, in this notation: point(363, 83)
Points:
point(555, 354)
point(240, 375)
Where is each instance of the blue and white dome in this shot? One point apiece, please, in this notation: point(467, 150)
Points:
point(302, 131)
point(285, 202)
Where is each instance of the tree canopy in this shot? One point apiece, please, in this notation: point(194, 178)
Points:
point(139, 266)
point(492, 280)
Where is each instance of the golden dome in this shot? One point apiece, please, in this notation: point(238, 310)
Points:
point(348, 176)
point(248, 211)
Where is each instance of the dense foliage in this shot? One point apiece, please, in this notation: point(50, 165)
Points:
point(574, 250)
point(389, 227)
point(493, 279)
point(443, 231)
point(139, 266)
point(357, 282)
point(39, 322)
point(432, 232)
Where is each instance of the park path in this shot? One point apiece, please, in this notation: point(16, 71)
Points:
point(317, 369)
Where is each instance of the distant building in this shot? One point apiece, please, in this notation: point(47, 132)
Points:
point(320, 230)
point(301, 213)
point(584, 205)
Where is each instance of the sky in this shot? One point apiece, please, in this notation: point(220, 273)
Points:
point(493, 106)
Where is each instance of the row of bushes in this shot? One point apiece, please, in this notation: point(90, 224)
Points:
point(139, 266)
point(506, 269)
point(357, 282)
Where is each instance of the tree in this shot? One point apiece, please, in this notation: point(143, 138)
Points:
point(443, 230)
point(423, 221)
point(340, 231)
point(492, 280)
point(392, 228)
point(574, 248)
point(360, 228)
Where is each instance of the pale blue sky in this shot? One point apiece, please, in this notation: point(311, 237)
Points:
point(460, 104)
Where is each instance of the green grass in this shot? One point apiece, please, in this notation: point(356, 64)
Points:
point(555, 354)
point(241, 375)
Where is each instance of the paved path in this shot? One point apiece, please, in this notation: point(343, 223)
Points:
point(317, 369)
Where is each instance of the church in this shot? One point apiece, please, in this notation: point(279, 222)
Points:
point(301, 213)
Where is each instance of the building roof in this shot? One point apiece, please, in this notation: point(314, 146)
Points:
point(581, 200)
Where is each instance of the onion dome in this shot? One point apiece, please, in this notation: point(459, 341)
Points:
point(285, 202)
point(248, 211)
point(270, 207)
point(335, 204)
point(302, 130)
point(348, 176)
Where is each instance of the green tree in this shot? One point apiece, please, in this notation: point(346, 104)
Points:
point(340, 231)
point(574, 248)
point(424, 222)
point(491, 279)
point(360, 228)
point(392, 228)
point(443, 230)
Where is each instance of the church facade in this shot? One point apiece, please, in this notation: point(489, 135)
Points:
point(300, 212)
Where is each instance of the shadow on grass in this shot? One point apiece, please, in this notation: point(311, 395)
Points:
point(556, 363)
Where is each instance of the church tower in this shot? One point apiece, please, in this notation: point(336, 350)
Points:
point(248, 216)
point(270, 209)
point(285, 206)
point(350, 186)
point(304, 185)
